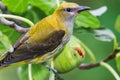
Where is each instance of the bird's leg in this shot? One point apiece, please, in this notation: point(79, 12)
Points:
point(57, 76)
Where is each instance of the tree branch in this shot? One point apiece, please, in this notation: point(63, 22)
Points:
point(110, 57)
point(16, 24)
point(4, 10)
point(13, 25)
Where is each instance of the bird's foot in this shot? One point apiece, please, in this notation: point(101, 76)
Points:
point(57, 76)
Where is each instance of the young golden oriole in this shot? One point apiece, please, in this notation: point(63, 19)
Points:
point(46, 38)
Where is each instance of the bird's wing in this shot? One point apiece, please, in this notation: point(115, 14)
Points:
point(28, 51)
point(42, 38)
point(21, 40)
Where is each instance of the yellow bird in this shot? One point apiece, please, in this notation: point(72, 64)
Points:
point(46, 38)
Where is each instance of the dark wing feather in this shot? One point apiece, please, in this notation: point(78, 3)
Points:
point(31, 50)
point(21, 40)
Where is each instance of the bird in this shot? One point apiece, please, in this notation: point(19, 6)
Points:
point(46, 38)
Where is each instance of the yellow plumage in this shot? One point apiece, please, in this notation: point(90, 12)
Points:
point(46, 38)
point(45, 27)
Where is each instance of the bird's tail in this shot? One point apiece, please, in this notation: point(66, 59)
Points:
point(8, 60)
point(2, 67)
point(4, 59)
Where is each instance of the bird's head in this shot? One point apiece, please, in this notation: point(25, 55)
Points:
point(69, 10)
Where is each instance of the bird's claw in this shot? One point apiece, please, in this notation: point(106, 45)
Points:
point(57, 76)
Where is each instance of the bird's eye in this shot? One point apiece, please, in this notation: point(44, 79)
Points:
point(69, 9)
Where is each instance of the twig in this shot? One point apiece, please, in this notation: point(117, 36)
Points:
point(30, 72)
point(4, 10)
point(108, 67)
point(89, 66)
point(52, 75)
point(13, 25)
point(17, 18)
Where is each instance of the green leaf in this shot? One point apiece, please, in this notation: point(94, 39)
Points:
point(117, 58)
point(35, 14)
point(47, 6)
point(9, 32)
point(23, 72)
point(39, 72)
point(5, 43)
point(16, 6)
point(85, 19)
point(117, 24)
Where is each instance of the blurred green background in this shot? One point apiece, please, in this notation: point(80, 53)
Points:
point(99, 48)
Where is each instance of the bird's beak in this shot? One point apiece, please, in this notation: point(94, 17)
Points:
point(83, 8)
